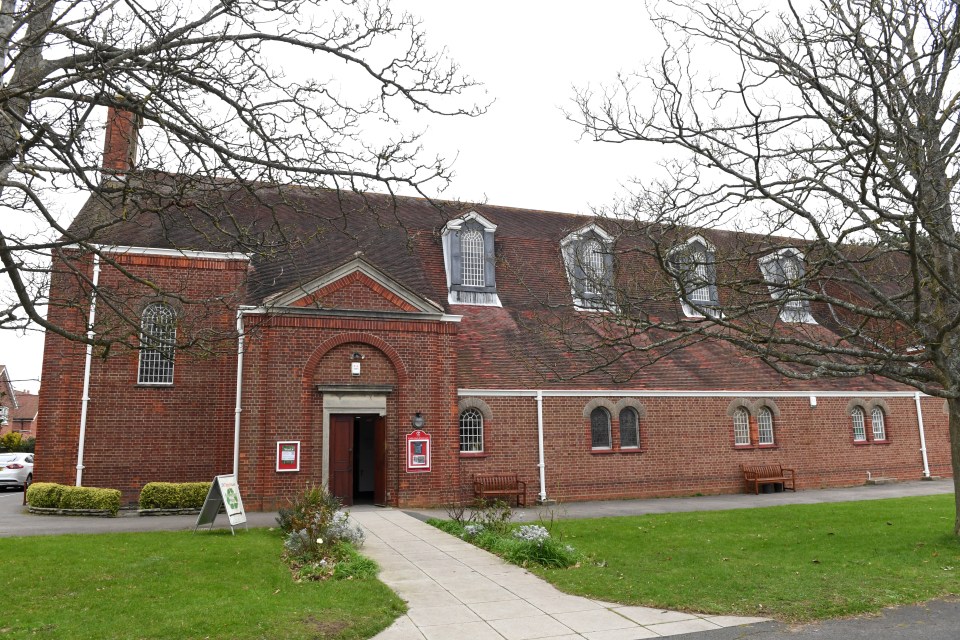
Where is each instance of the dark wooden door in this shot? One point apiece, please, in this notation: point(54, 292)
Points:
point(341, 458)
point(380, 461)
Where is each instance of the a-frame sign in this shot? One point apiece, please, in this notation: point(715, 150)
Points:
point(224, 490)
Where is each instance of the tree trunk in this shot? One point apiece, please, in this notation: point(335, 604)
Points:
point(954, 408)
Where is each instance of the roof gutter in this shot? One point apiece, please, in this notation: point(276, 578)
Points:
point(85, 398)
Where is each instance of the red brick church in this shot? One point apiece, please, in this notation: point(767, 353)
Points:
point(396, 347)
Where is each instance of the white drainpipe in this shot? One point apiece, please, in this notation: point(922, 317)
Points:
point(542, 465)
point(923, 439)
point(237, 409)
point(85, 398)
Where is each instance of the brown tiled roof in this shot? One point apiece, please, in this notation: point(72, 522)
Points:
point(27, 409)
point(510, 347)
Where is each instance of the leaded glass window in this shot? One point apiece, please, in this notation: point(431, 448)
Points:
point(158, 339)
point(629, 429)
point(471, 431)
point(600, 429)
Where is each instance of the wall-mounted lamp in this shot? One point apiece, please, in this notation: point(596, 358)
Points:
point(357, 356)
point(418, 421)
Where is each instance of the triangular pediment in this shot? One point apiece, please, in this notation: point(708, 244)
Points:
point(357, 286)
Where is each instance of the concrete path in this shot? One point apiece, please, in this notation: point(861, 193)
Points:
point(615, 508)
point(456, 591)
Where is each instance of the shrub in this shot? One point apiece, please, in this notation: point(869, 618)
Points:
point(11, 441)
point(319, 538)
point(45, 494)
point(173, 495)
point(57, 496)
point(90, 498)
point(493, 516)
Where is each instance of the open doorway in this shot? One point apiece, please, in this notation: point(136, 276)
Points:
point(358, 472)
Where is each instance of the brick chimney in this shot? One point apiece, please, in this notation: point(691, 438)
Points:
point(120, 141)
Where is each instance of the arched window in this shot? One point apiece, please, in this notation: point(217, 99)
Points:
point(859, 428)
point(629, 429)
point(879, 428)
point(594, 268)
point(471, 258)
point(764, 426)
point(600, 429)
point(471, 431)
point(741, 427)
point(158, 339)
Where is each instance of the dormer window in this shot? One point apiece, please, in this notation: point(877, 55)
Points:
point(692, 265)
point(784, 272)
point(588, 257)
point(468, 253)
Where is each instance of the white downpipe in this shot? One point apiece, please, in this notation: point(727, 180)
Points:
point(237, 409)
point(542, 464)
point(923, 439)
point(85, 398)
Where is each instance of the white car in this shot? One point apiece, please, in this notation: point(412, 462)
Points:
point(16, 470)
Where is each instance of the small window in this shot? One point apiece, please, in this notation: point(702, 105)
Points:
point(741, 427)
point(859, 428)
point(600, 429)
point(158, 338)
point(4, 415)
point(879, 428)
point(629, 429)
point(764, 426)
point(471, 431)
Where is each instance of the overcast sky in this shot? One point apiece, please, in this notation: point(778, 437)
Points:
point(523, 152)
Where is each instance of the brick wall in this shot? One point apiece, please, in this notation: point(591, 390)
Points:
point(290, 355)
point(687, 446)
point(136, 433)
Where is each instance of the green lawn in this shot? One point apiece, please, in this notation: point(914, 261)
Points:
point(793, 563)
point(178, 585)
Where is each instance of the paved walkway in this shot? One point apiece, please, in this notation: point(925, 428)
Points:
point(457, 591)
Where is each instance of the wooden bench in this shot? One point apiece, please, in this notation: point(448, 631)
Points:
point(759, 474)
point(500, 485)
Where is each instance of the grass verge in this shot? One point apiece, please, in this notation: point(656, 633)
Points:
point(178, 585)
point(795, 563)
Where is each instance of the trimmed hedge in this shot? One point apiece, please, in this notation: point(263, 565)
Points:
point(173, 495)
point(45, 494)
point(57, 496)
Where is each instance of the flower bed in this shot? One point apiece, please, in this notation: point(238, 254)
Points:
point(488, 527)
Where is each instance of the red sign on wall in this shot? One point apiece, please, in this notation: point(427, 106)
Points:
point(288, 455)
point(418, 451)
